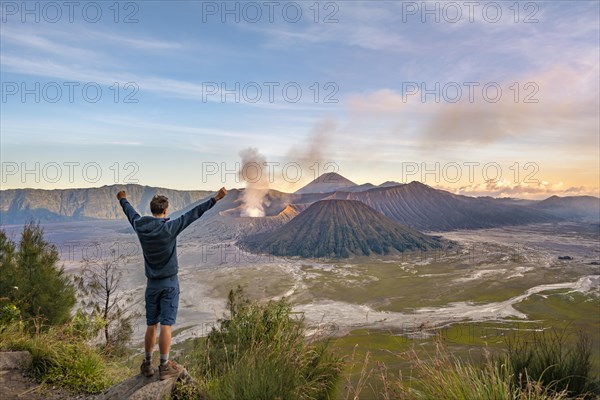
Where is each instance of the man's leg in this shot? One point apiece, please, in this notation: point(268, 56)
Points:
point(164, 343)
point(150, 339)
point(169, 303)
point(152, 317)
point(168, 369)
point(168, 306)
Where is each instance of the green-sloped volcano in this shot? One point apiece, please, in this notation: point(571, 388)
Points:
point(339, 228)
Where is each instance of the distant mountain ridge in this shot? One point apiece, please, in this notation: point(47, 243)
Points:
point(585, 208)
point(21, 205)
point(412, 204)
point(425, 208)
point(339, 228)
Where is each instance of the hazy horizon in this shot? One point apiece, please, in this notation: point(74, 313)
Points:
point(542, 196)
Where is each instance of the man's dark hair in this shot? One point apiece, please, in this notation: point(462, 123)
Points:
point(159, 204)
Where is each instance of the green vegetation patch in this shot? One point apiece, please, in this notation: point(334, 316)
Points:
point(259, 351)
point(61, 357)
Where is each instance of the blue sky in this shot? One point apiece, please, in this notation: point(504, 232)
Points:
point(373, 59)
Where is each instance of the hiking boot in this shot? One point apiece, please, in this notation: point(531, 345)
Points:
point(147, 369)
point(169, 370)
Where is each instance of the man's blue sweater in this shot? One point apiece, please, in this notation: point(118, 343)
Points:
point(158, 237)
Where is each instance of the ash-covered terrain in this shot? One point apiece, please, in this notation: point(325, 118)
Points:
point(497, 254)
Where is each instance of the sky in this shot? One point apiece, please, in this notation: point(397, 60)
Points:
point(478, 98)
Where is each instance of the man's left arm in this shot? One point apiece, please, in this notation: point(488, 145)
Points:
point(177, 225)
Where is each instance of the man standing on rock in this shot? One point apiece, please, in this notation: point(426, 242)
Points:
point(158, 238)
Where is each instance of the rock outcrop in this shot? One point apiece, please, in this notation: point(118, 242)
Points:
point(13, 383)
point(15, 360)
point(139, 387)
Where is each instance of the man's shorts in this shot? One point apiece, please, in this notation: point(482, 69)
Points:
point(162, 301)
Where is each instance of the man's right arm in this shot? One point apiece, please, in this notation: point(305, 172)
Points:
point(128, 209)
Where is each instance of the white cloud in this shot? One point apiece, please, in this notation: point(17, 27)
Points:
point(146, 43)
point(566, 103)
point(535, 190)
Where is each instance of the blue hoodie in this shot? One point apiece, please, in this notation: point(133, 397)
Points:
point(158, 237)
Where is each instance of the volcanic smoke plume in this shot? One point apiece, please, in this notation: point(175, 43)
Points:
point(254, 172)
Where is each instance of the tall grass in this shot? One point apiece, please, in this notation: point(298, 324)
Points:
point(62, 357)
point(260, 351)
point(550, 368)
point(557, 359)
point(446, 377)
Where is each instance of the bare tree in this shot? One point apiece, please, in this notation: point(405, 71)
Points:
point(99, 287)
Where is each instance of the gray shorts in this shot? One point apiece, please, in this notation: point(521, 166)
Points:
point(162, 301)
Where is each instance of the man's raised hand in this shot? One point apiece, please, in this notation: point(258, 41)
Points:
point(121, 195)
point(220, 194)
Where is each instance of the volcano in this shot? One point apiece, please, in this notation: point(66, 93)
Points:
point(328, 182)
point(339, 228)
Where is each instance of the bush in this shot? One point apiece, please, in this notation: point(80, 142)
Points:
point(62, 358)
point(260, 352)
point(8, 313)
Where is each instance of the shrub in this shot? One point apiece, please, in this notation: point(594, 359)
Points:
point(260, 352)
point(62, 358)
point(8, 313)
